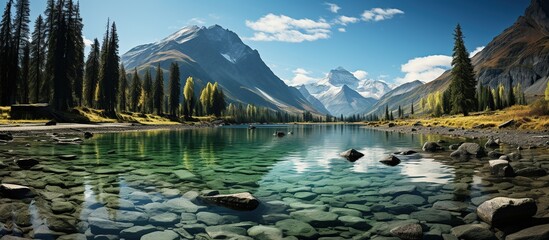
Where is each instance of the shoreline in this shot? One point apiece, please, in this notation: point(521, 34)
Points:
point(75, 128)
point(513, 137)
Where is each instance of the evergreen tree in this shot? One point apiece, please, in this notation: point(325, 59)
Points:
point(24, 77)
point(37, 62)
point(8, 69)
point(75, 50)
point(190, 99)
point(92, 74)
point(109, 72)
point(158, 94)
point(218, 104)
point(412, 108)
point(387, 116)
point(399, 112)
point(463, 83)
point(135, 94)
point(122, 90)
point(20, 41)
point(175, 89)
point(510, 94)
point(148, 104)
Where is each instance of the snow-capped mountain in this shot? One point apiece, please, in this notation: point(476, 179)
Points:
point(342, 93)
point(214, 54)
point(315, 102)
point(344, 100)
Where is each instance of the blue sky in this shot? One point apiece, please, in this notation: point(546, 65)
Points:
point(393, 40)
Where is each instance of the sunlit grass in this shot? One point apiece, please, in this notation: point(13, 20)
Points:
point(521, 114)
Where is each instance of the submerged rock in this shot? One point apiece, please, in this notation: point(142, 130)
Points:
point(502, 210)
point(279, 134)
point(411, 231)
point(432, 147)
point(391, 161)
point(473, 231)
point(531, 172)
point(238, 201)
point(301, 230)
point(6, 136)
point(265, 232)
point(88, 135)
point(540, 232)
point(67, 157)
point(352, 155)
point(26, 163)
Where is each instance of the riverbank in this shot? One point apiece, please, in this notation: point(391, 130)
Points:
point(75, 128)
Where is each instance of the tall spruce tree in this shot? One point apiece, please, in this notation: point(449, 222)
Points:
point(511, 100)
point(135, 93)
point(24, 76)
point(175, 89)
point(158, 94)
point(75, 50)
point(109, 72)
point(92, 74)
point(20, 41)
point(8, 69)
point(217, 100)
point(122, 90)
point(463, 83)
point(37, 61)
point(387, 116)
point(190, 99)
point(148, 102)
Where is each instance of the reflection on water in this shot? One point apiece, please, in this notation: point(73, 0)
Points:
point(126, 180)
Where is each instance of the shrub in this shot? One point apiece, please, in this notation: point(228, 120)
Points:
point(540, 108)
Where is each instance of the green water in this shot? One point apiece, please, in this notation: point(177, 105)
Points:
point(124, 180)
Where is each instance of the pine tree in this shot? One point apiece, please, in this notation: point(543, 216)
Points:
point(412, 108)
point(190, 99)
point(7, 73)
point(24, 77)
point(37, 62)
point(147, 93)
point(158, 94)
point(463, 83)
point(92, 74)
point(399, 112)
point(217, 100)
point(20, 41)
point(75, 50)
point(109, 72)
point(387, 116)
point(175, 89)
point(135, 95)
point(122, 90)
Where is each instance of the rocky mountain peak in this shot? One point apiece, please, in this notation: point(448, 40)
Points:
point(538, 12)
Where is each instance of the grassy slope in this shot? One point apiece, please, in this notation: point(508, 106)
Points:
point(521, 114)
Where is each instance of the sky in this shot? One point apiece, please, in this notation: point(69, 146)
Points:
point(396, 41)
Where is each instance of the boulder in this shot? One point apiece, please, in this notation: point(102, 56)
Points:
point(432, 147)
point(540, 232)
point(26, 163)
point(502, 210)
point(352, 155)
point(412, 231)
point(455, 146)
point(468, 149)
point(391, 125)
point(238, 201)
point(164, 235)
point(265, 232)
point(501, 168)
point(491, 143)
point(15, 191)
point(391, 161)
point(6, 136)
point(507, 124)
point(67, 157)
point(473, 232)
point(494, 154)
point(514, 156)
point(279, 134)
point(531, 172)
point(301, 230)
point(51, 123)
point(88, 135)
point(136, 232)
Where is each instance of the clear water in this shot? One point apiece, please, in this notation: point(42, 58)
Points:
point(123, 180)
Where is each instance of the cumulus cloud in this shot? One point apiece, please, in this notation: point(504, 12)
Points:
point(301, 76)
point(425, 69)
point(380, 14)
point(196, 21)
point(341, 30)
point(360, 74)
point(282, 28)
point(87, 42)
point(477, 50)
point(344, 20)
point(332, 7)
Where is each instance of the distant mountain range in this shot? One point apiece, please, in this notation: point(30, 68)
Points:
point(520, 54)
point(215, 54)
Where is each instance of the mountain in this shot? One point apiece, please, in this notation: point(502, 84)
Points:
point(394, 94)
point(216, 54)
point(315, 102)
point(520, 54)
point(339, 77)
point(344, 100)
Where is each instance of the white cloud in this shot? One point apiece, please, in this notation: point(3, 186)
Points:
point(301, 76)
point(360, 74)
point(477, 50)
point(344, 20)
point(333, 7)
point(282, 28)
point(196, 21)
point(380, 14)
point(87, 42)
point(341, 30)
point(425, 69)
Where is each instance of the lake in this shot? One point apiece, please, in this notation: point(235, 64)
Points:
point(122, 185)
